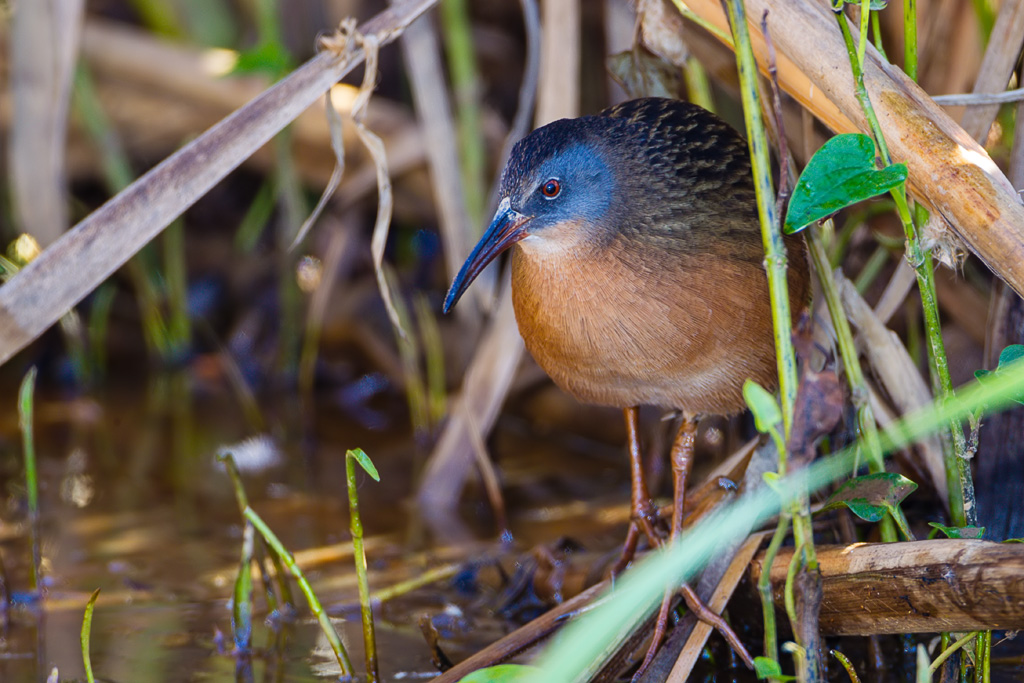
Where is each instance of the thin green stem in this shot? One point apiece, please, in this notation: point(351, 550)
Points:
point(901, 523)
point(764, 589)
point(292, 205)
point(876, 32)
point(409, 352)
point(871, 270)
point(862, 44)
point(99, 322)
point(866, 424)
point(703, 23)
point(986, 15)
point(910, 38)
point(314, 603)
point(948, 652)
point(958, 477)
point(847, 665)
point(228, 460)
point(26, 404)
point(433, 356)
point(794, 566)
point(359, 555)
point(771, 232)
point(961, 487)
point(268, 21)
point(803, 533)
point(419, 581)
point(179, 326)
point(118, 174)
point(698, 87)
point(86, 634)
point(308, 355)
point(985, 665)
point(778, 287)
point(241, 604)
point(284, 591)
point(462, 66)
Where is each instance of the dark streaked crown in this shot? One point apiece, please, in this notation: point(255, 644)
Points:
point(676, 166)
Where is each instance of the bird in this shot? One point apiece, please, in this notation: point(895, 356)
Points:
point(638, 275)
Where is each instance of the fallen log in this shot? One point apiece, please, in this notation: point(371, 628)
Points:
point(917, 587)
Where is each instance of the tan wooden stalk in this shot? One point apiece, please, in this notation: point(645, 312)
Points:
point(90, 252)
point(949, 171)
point(875, 588)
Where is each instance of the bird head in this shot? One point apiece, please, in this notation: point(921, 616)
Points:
point(555, 191)
point(657, 174)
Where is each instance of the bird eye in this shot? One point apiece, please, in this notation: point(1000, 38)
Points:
point(551, 188)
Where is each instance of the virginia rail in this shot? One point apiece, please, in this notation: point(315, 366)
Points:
point(637, 273)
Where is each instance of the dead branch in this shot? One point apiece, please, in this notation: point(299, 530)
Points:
point(918, 587)
point(951, 172)
point(91, 251)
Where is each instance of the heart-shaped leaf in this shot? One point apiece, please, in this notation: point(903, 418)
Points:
point(1011, 354)
point(841, 173)
point(1008, 356)
point(870, 497)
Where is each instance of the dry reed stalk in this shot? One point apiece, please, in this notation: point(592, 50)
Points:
point(422, 56)
point(951, 172)
point(43, 51)
point(493, 365)
point(897, 372)
point(85, 256)
point(694, 647)
point(484, 388)
point(997, 66)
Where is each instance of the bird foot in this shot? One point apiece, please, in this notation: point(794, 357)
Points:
point(660, 629)
point(703, 613)
point(644, 520)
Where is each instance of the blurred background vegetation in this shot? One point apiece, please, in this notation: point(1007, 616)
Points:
point(220, 329)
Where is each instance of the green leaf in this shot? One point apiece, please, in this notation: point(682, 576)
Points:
point(364, 461)
point(765, 667)
point(959, 531)
point(763, 405)
point(503, 673)
point(1010, 354)
point(841, 173)
point(870, 497)
point(1007, 357)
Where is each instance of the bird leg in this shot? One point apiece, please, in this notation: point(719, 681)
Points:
point(682, 460)
point(643, 513)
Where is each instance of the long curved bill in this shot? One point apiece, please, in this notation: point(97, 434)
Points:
point(506, 229)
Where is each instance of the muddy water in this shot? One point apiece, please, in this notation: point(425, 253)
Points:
point(133, 503)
